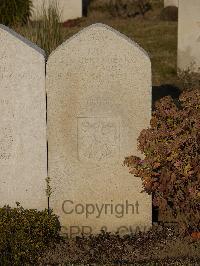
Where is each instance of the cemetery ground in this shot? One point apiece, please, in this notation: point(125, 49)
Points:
point(163, 245)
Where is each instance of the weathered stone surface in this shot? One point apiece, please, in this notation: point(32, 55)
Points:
point(23, 156)
point(189, 35)
point(69, 9)
point(99, 100)
point(171, 3)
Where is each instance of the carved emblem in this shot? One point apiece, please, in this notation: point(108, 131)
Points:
point(98, 138)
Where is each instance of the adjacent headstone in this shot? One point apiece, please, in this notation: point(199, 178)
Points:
point(23, 155)
point(98, 102)
point(171, 3)
point(189, 35)
point(68, 9)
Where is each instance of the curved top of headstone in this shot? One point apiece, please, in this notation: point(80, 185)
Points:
point(103, 26)
point(22, 39)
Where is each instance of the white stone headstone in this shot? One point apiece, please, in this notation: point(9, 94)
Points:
point(189, 35)
point(99, 100)
point(171, 3)
point(68, 9)
point(23, 155)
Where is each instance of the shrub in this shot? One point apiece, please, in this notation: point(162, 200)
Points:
point(128, 8)
point(171, 170)
point(46, 32)
point(189, 78)
point(25, 233)
point(169, 13)
point(15, 11)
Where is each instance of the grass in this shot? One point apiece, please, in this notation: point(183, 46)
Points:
point(46, 32)
point(158, 38)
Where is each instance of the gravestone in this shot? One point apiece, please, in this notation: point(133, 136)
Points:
point(189, 35)
point(98, 101)
point(171, 3)
point(23, 155)
point(68, 9)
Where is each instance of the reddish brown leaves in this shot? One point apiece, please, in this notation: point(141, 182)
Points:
point(172, 154)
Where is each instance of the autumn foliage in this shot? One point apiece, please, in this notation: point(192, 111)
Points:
point(171, 168)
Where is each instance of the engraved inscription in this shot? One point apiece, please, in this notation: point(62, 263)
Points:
point(6, 109)
point(116, 60)
point(6, 142)
point(98, 101)
point(6, 130)
point(98, 138)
